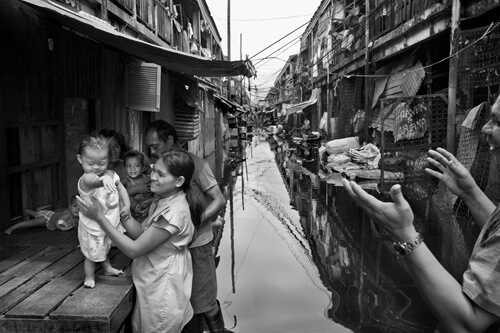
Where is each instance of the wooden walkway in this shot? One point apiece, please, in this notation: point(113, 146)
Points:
point(41, 286)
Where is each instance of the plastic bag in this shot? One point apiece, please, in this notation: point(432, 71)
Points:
point(340, 146)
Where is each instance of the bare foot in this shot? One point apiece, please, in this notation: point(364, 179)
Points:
point(8, 231)
point(113, 272)
point(89, 283)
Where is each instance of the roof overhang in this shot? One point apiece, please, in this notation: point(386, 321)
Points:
point(168, 58)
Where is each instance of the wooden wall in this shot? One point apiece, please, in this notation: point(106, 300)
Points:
point(48, 99)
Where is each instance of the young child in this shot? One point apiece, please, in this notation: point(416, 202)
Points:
point(162, 268)
point(137, 185)
point(102, 184)
point(64, 220)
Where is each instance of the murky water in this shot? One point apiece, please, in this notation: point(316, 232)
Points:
point(268, 280)
point(297, 255)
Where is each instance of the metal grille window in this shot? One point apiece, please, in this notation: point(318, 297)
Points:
point(410, 126)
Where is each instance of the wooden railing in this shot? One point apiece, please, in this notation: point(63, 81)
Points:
point(157, 16)
point(127, 5)
point(391, 13)
point(145, 11)
point(164, 27)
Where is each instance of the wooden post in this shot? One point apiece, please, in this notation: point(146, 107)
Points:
point(368, 106)
point(452, 79)
point(328, 111)
point(104, 10)
point(229, 79)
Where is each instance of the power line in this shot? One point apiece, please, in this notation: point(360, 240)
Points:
point(270, 19)
point(278, 40)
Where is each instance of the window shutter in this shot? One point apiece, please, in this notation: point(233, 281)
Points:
point(143, 87)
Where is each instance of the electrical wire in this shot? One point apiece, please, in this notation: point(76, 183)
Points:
point(278, 40)
point(270, 19)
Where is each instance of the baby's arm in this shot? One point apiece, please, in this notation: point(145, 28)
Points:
point(91, 181)
point(122, 192)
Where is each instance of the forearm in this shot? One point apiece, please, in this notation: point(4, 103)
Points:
point(455, 311)
point(124, 196)
point(480, 206)
point(212, 210)
point(124, 243)
point(134, 228)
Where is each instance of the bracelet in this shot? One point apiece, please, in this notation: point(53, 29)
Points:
point(125, 218)
point(403, 249)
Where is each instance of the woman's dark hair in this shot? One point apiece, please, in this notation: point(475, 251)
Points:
point(179, 163)
point(110, 134)
point(163, 130)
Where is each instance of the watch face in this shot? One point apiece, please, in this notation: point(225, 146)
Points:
point(401, 250)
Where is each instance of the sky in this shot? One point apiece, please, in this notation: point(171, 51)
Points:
point(262, 23)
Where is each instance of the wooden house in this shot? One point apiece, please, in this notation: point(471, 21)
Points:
point(73, 66)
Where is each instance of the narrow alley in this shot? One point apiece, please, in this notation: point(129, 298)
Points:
point(267, 279)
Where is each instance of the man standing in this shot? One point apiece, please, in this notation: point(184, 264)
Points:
point(162, 137)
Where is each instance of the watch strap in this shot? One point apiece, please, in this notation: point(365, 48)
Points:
point(403, 249)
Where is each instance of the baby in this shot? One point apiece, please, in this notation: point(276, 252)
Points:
point(103, 185)
point(64, 220)
point(137, 185)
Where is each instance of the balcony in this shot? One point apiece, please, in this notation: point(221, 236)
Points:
point(389, 14)
point(160, 17)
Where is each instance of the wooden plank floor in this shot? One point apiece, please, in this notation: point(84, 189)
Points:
point(41, 286)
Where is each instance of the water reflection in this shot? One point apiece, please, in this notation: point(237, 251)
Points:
point(267, 276)
point(370, 288)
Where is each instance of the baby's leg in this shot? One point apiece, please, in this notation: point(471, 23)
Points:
point(110, 270)
point(38, 222)
point(89, 267)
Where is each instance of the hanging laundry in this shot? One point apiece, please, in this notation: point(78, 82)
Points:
point(178, 26)
point(190, 31)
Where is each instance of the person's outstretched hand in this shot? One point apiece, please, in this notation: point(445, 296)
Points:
point(90, 207)
point(395, 217)
point(453, 174)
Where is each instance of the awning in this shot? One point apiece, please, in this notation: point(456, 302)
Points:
point(300, 106)
point(232, 107)
point(171, 59)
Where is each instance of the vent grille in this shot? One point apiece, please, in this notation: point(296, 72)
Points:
point(143, 82)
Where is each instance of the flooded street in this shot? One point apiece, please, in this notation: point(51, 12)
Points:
point(296, 255)
point(266, 258)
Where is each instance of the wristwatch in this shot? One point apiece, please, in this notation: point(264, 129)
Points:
point(403, 249)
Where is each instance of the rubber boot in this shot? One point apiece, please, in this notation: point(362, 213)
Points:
point(215, 323)
point(195, 325)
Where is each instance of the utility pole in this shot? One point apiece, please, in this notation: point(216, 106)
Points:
point(368, 106)
point(242, 78)
point(452, 77)
point(229, 46)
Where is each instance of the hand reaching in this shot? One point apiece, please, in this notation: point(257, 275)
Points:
point(124, 211)
point(90, 207)
point(107, 183)
point(395, 217)
point(453, 174)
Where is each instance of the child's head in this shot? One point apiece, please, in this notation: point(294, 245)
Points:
point(93, 154)
point(73, 207)
point(172, 173)
point(134, 163)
